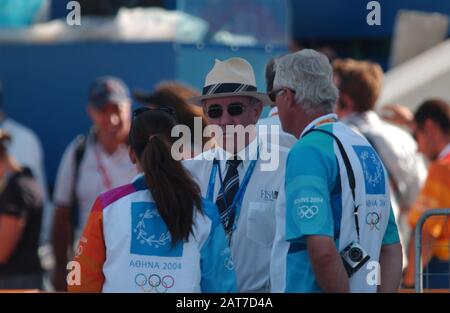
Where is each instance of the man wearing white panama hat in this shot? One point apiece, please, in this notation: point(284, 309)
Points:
point(233, 174)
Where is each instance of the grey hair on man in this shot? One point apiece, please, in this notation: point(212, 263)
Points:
point(310, 75)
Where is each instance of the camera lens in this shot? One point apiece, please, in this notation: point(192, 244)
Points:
point(355, 254)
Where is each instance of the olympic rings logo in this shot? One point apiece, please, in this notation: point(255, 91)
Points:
point(154, 282)
point(307, 212)
point(373, 219)
point(229, 264)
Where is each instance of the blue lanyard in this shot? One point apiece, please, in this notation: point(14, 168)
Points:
point(237, 201)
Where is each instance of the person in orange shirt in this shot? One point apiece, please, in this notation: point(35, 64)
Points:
point(432, 132)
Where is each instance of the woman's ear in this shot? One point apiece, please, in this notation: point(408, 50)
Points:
point(132, 155)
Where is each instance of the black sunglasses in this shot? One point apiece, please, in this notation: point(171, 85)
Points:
point(274, 93)
point(233, 109)
point(164, 109)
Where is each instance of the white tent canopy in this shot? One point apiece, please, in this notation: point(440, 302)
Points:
point(423, 77)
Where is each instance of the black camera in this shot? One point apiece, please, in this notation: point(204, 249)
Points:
point(354, 257)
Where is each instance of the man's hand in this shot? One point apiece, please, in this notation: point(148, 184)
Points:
point(398, 114)
point(391, 267)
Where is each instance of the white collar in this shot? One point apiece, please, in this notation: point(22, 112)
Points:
point(444, 152)
point(318, 120)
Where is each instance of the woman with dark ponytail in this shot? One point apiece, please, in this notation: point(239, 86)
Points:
point(165, 176)
point(156, 234)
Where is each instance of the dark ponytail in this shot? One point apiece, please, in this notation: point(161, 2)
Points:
point(173, 189)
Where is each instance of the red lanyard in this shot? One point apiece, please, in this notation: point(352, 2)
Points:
point(103, 173)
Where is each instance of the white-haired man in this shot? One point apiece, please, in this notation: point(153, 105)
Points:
point(359, 84)
point(337, 227)
point(236, 175)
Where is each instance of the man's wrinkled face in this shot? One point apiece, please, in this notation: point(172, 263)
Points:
point(112, 119)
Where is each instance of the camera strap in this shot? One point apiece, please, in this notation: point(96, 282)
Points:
point(350, 174)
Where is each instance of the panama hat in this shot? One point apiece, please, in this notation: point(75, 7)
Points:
point(230, 78)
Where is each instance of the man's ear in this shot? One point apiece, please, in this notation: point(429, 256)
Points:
point(290, 98)
point(132, 155)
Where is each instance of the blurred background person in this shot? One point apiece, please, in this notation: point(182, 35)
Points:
point(182, 90)
point(175, 95)
point(432, 132)
point(91, 165)
point(359, 85)
point(169, 220)
point(26, 148)
point(21, 205)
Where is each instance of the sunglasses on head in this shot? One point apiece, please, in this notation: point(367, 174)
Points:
point(164, 109)
point(233, 109)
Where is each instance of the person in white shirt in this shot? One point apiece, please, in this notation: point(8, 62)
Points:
point(236, 175)
point(102, 165)
point(360, 83)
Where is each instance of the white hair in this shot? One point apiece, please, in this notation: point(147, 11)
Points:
point(310, 74)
